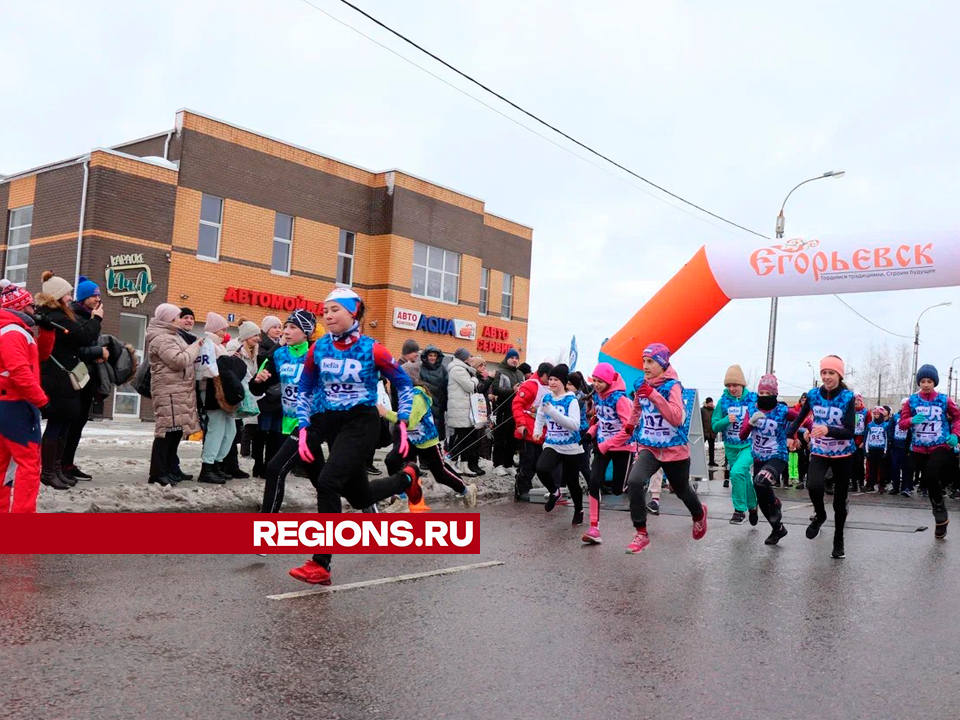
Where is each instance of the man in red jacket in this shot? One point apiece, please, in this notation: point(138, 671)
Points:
point(21, 398)
point(525, 403)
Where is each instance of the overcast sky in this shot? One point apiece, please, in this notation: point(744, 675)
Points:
point(728, 104)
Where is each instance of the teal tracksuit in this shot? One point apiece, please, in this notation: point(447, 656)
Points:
point(739, 459)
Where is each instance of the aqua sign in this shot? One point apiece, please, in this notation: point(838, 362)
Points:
point(128, 277)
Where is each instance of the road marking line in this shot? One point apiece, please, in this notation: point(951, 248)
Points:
point(798, 507)
point(384, 581)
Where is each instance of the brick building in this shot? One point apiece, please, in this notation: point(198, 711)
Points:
point(216, 217)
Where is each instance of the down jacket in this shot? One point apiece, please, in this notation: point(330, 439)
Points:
point(461, 384)
point(172, 379)
point(118, 369)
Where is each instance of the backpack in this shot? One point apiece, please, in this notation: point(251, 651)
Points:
point(141, 381)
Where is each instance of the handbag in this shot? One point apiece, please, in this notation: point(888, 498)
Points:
point(79, 375)
point(478, 410)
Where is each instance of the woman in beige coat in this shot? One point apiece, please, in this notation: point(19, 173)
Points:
point(173, 389)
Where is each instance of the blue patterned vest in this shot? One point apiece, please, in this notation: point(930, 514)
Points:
point(740, 408)
point(899, 436)
point(656, 432)
point(770, 438)
point(860, 428)
point(608, 422)
point(876, 436)
point(935, 428)
point(557, 435)
point(830, 413)
point(348, 378)
point(289, 369)
point(426, 429)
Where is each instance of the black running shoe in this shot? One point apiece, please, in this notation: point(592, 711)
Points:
point(813, 529)
point(552, 501)
point(777, 535)
point(738, 518)
point(577, 517)
point(837, 553)
point(754, 516)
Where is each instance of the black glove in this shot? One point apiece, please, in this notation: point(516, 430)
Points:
point(43, 320)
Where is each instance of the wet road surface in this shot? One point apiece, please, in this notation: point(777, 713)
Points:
point(722, 628)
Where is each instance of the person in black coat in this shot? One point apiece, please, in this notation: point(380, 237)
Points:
point(269, 436)
point(76, 337)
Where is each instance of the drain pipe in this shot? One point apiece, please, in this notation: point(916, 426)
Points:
point(83, 209)
point(166, 146)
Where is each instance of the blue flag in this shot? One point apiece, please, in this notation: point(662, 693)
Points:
point(573, 354)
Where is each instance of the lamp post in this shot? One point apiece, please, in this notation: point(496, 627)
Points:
point(949, 376)
point(916, 336)
point(772, 336)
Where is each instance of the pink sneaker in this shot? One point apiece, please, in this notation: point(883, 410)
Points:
point(700, 526)
point(640, 543)
point(592, 536)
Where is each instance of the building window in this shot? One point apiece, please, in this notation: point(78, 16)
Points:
point(345, 253)
point(282, 243)
point(484, 289)
point(436, 273)
point(506, 300)
point(18, 244)
point(133, 330)
point(211, 219)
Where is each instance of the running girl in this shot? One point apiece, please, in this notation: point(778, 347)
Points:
point(768, 424)
point(831, 446)
point(662, 427)
point(560, 413)
point(337, 403)
point(729, 416)
point(859, 435)
point(424, 440)
point(614, 444)
point(935, 420)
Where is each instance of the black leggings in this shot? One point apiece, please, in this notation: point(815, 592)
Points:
point(765, 474)
point(53, 443)
point(283, 461)
point(678, 475)
point(876, 468)
point(598, 473)
point(936, 469)
point(842, 469)
point(76, 427)
point(432, 459)
point(570, 472)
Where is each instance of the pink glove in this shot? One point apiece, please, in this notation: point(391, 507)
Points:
point(404, 447)
point(305, 453)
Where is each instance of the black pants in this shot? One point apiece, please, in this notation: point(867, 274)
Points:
point(876, 468)
point(803, 461)
point(504, 442)
point(163, 455)
point(76, 427)
point(765, 474)
point(529, 455)
point(901, 469)
point(842, 469)
point(465, 445)
point(677, 474)
point(432, 459)
point(350, 435)
point(586, 442)
point(282, 462)
point(858, 473)
point(711, 448)
point(53, 442)
point(936, 469)
point(569, 466)
point(598, 473)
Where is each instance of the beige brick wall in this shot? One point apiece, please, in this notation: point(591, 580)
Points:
point(21, 193)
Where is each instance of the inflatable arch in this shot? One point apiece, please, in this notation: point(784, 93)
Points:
point(718, 274)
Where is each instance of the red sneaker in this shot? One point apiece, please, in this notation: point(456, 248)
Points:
point(311, 572)
point(414, 492)
point(700, 526)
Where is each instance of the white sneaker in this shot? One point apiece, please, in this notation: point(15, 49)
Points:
point(396, 505)
point(470, 496)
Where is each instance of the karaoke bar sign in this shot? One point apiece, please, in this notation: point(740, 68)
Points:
point(495, 340)
point(406, 319)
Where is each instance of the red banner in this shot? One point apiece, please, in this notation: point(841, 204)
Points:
point(239, 533)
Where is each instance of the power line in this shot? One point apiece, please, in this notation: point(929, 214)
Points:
point(855, 312)
point(534, 117)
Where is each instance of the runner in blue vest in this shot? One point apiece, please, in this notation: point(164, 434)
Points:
point(901, 466)
point(662, 426)
point(831, 446)
point(858, 478)
point(877, 452)
point(337, 403)
point(558, 424)
point(729, 415)
point(768, 424)
point(935, 422)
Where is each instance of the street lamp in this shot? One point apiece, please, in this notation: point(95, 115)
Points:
point(772, 337)
point(916, 336)
point(949, 376)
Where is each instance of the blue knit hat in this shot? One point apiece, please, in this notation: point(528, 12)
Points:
point(86, 289)
point(512, 353)
point(928, 371)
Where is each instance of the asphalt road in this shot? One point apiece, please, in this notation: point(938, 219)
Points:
point(722, 628)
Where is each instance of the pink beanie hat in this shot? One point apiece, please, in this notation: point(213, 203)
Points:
point(215, 323)
point(768, 384)
point(832, 362)
point(605, 373)
point(166, 312)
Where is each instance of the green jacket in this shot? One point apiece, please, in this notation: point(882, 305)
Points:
point(721, 421)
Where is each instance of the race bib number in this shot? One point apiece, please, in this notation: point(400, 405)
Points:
point(740, 414)
point(608, 421)
point(860, 423)
point(930, 430)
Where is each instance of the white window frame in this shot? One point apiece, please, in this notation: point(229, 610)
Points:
point(141, 357)
point(217, 225)
point(484, 290)
point(443, 274)
point(506, 298)
point(10, 228)
point(342, 254)
point(284, 241)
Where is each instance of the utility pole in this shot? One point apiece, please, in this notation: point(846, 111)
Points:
point(879, 380)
